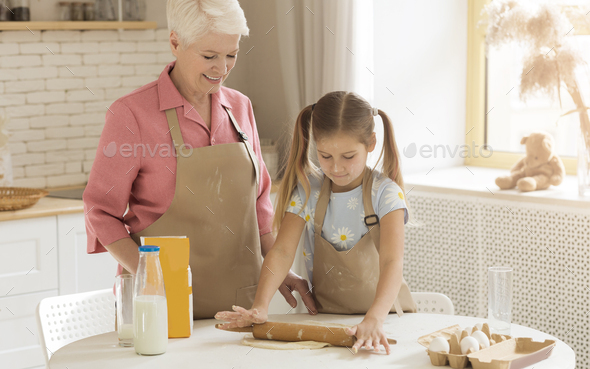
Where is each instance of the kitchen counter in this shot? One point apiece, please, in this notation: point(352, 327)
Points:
point(46, 206)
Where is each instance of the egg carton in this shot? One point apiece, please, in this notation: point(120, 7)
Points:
point(454, 334)
point(504, 351)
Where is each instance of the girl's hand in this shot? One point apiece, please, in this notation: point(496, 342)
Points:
point(241, 317)
point(369, 333)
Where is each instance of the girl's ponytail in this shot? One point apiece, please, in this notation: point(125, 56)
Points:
point(391, 161)
point(297, 166)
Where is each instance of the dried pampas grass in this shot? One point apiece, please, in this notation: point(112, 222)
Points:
point(544, 72)
point(550, 60)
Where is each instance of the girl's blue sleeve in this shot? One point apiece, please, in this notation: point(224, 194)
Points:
point(392, 198)
point(296, 202)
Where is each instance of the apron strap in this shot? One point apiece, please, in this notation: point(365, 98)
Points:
point(372, 222)
point(322, 206)
point(174, 126)
point(371, 219)
point(244, 138)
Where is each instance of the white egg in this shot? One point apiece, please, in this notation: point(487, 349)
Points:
point(469, 343)
point(468, 329)
point(481, 338)
point(439, 344)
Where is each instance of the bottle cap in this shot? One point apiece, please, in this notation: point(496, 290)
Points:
point(149, 248)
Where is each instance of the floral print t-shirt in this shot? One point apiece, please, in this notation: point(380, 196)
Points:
point(344, 223)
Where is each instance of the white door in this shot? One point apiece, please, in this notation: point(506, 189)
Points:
point(79, 271)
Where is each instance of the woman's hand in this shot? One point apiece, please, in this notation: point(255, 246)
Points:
point(293, 283)
point(241, 317)
point(369, 333)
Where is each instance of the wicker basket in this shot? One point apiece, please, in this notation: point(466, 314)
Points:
point(14, 198)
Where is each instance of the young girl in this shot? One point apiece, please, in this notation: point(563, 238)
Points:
point(353, 219)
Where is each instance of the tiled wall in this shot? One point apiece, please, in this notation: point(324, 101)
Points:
point(55, 87)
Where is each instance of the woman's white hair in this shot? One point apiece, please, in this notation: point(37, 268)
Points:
point(192, 19)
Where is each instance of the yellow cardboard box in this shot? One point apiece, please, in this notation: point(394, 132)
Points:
point(174, 258)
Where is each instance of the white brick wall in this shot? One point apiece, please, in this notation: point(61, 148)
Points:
point(124, 47)
point(39, 48)
point(36, 73)
point(24, 86)
point(55, 87)
point(8, 49)
point(20, 61)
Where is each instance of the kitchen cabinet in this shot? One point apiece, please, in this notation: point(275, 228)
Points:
point(79, 271)
point(42, 257)
point(19, 347)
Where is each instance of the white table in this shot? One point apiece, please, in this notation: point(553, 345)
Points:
point(211, 348)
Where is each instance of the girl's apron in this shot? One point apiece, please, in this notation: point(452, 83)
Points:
point(345, 282)
point(214, 205)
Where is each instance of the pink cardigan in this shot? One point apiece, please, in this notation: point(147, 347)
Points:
point(126, 172)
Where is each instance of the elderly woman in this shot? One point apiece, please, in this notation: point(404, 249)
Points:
point(183, 153)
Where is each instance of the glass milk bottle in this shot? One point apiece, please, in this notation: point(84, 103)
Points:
point(150, 318)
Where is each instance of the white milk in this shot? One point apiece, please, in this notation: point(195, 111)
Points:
point(126, 332)
point(150, 325)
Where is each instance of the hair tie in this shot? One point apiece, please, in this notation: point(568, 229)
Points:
point(312, 107)
point(375, 112)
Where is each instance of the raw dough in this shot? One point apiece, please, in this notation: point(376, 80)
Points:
point(282, 345)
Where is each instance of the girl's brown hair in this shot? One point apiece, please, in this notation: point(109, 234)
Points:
point(335, 112)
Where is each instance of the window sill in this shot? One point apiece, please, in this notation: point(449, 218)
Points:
point(480, 181)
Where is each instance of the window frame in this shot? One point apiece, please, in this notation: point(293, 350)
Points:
point(476, 97)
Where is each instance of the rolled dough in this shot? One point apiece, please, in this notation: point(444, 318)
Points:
point(249, 340)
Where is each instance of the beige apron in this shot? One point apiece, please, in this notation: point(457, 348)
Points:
point(214, 205)
point(345, 282)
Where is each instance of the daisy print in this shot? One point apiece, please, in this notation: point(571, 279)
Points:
point(352, 203)
point(295, 203)
point(306, 255)
point(342, 237)
point(393, 195)
point(316, 195)
point(308, 214)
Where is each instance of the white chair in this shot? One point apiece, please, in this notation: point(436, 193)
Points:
point(65, 319)
point(433, 303)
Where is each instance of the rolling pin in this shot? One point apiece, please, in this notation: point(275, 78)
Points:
point(290, 332)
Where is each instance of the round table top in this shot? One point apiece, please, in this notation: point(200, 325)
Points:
point(209, 347)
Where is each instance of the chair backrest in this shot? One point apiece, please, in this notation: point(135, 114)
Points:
point(64, 319)
point(433, 303)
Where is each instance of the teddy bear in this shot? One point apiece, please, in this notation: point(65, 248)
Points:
point(539, 169)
